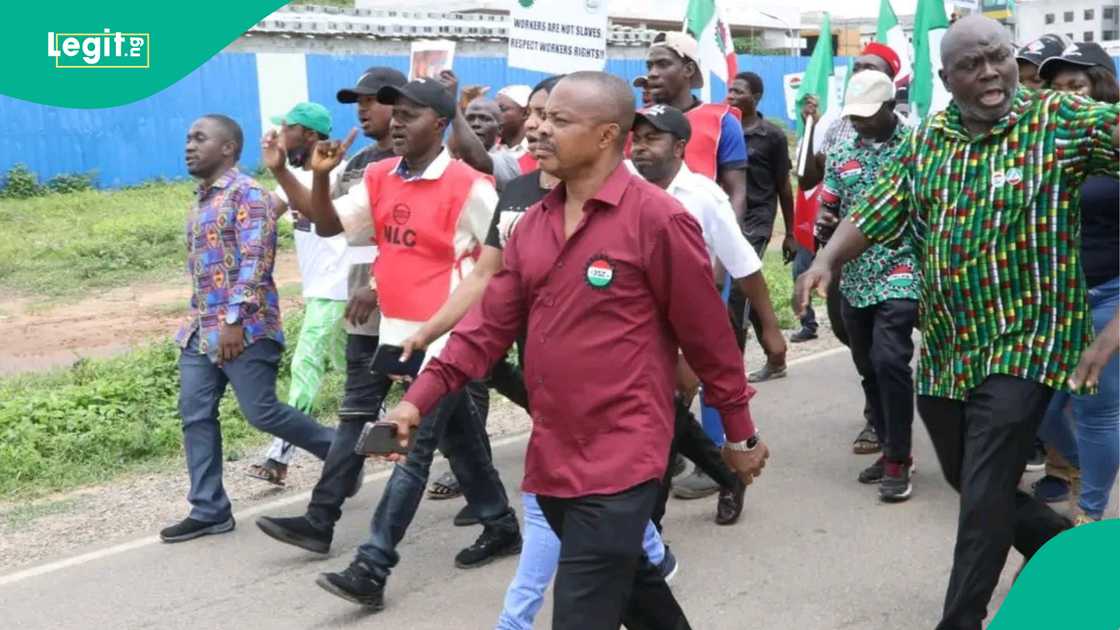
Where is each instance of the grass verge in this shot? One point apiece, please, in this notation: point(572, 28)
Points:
point(60, 245)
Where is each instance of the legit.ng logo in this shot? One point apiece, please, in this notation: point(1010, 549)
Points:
point(106, 50)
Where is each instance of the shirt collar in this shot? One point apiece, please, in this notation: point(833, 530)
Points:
point(949, 120)
point(433, 171)
point(609, 194)
point(680, 181)
point(225, 180)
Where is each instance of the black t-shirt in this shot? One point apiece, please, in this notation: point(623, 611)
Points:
point(1100, 229)
point(352, 174)
point(518, 196)
point(767, 163)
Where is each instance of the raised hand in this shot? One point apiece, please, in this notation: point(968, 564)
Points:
point(329, 153)
point(273, 152)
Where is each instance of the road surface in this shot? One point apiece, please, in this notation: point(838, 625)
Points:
point(814, 550)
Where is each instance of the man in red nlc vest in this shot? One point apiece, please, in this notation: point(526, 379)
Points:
point(428, 214)
point(717, 150)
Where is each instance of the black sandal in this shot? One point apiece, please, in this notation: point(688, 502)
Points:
point(271, 471)
point(446, 487)
point(867, 442)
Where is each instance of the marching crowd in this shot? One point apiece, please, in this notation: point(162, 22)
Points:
point(620, 252)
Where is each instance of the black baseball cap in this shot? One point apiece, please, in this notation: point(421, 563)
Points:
point(1041, 49)
point(427, 92)
point(1085, 54)
point(370, 82)
point(665, 118)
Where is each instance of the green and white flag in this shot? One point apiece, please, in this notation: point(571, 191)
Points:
point(704, 22)
point(815, 81)
point(927, 93)
point(890, 32)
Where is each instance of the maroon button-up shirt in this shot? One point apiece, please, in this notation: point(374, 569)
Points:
point(604, 313)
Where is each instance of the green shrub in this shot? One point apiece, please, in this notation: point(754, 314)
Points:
point(21, 183)
point(102, 417)
point(70, 183)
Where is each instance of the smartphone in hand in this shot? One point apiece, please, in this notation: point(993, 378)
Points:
point(379, 438)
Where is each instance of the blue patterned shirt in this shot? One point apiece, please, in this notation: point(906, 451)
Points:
point(231, 249)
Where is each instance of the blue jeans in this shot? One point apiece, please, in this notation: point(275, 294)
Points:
point(801, 263)
point(1095, 447)
point(457, 428)
point(540, 555)
point(253, 376)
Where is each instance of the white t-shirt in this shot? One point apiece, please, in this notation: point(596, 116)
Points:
point(474, 221)
point(324, 263)
point(710, 205)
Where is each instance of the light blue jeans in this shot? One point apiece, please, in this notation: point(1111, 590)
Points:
point(1094, 446)
point(540, 555)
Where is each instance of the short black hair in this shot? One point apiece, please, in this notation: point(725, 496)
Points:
point(232, 131)
point(546, 85)
point(753, 80)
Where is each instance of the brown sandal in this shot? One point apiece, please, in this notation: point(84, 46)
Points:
point(271, 471)
point(867, 442)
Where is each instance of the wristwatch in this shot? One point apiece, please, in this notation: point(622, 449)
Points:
point(233, 316)
point(746, 445)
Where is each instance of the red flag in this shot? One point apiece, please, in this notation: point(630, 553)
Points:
point(805, 209)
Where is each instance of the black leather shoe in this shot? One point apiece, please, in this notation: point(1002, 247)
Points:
point(297, 531)
point(730, 504)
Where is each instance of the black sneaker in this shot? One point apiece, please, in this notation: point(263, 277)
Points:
point(494, 543)
point(297, 531)
point(189, 529)
point(896, 486)
point(803, 335)
point(669, 565)
point(355, 584)
point(466, 517)
point(873, 473)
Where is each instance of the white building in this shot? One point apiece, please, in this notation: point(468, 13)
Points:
point(1078, 20)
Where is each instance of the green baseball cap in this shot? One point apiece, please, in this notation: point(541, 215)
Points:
point(313, 116)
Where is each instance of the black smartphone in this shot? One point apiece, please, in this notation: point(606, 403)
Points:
point(379, 438)
point(387, 360)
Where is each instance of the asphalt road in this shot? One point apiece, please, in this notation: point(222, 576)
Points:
point(815, 549)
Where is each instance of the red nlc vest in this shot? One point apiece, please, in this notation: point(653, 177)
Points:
point(701, 155)
point(527, 162)
point(415, 224)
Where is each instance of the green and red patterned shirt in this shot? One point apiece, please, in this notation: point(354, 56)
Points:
point(996, 227)
point(886, 271)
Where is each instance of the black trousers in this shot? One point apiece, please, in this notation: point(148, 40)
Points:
point(983, 444)
point(690, 440)
point(879, 337)
point(604, 579)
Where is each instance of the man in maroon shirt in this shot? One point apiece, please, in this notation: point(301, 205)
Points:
point(606, 275)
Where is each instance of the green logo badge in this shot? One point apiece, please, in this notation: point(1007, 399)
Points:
point(600, 272)
point(105, 50)
point(901, 276)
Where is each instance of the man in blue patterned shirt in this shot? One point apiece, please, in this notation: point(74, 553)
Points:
point(233, 334)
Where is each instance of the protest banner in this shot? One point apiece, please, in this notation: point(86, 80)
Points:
point(429, 58)
point(558, 36)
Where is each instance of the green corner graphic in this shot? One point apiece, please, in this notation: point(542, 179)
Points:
point(171, 40)
point(1069, 584)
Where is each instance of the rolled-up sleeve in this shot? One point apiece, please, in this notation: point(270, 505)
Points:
point(356, 216)
point(698, 318)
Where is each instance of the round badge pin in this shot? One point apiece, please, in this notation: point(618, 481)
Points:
point(1014, 176)
point(600, 272)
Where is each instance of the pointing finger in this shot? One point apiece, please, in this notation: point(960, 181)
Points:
point(350, 137)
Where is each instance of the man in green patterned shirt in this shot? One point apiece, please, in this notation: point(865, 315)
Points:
point(878, 290)
point(989, 191)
